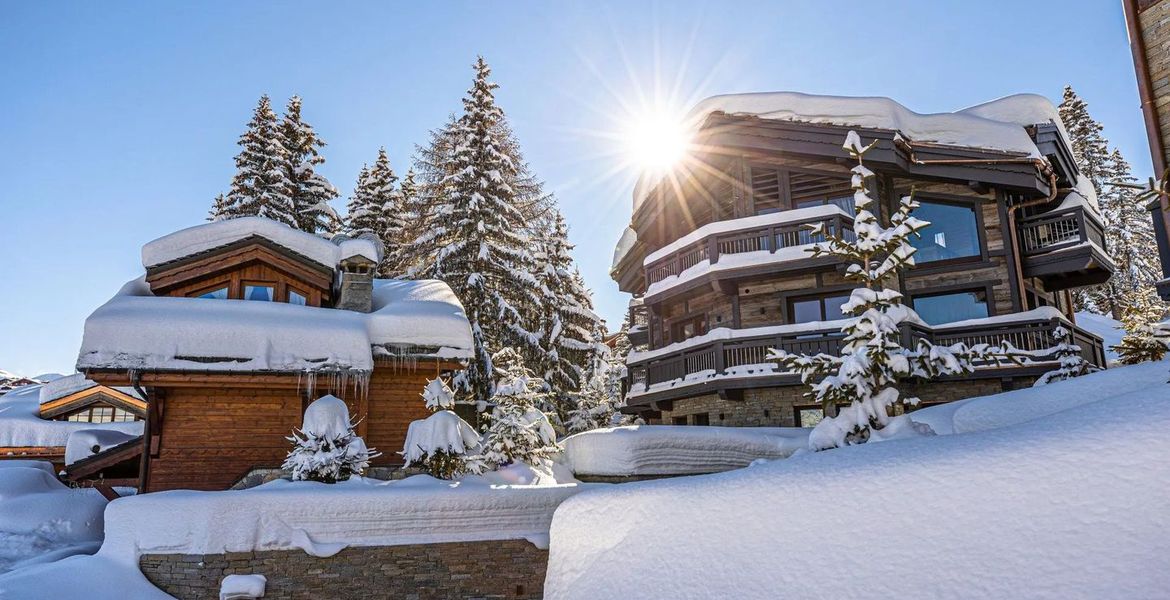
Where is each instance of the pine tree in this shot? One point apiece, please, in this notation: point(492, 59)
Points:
point(218, 210)
point(1068, 355)
point(326, 448)
point(1089, 147)
point(443, 444)
point(1129, 235)
point(872, 360)
point(376, 207)
point(311, 191)
point(518, 431)
point(481, 250)
point(1145, 339)
point(261, 186)
point(402, 228)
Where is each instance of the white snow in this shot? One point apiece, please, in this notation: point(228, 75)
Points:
point(443, 430)
point(239, 587)
point(624, 245)
point(84, 443)
point(41, 518)
point(22, 426)
point(326, 417)
point(1043, 313)
point(729, 262)
point(70, 384)
point(676, 450)
point(778, 218)
point(200, 238)
point(1108, 329)
point(727, 333)
point(360, 247)
point(136, 330)
point(1053, 492)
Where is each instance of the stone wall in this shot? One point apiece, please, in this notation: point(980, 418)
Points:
point(777, 406)
point(489, 569)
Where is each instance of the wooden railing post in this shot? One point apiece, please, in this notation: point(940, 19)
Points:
point(713, 249)
point(720, 363)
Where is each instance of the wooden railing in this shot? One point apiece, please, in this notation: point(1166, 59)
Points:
point(1059, 229)
point(639, 316)
point(767, 238)
point(718, 356)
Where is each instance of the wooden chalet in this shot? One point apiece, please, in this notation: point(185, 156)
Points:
point(716, 252)
point(238, 325)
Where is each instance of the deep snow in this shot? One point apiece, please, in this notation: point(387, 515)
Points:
point(21, 424)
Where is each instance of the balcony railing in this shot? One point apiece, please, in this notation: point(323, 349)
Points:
point(1059, 229)
point(765, 238)
point(717, 357)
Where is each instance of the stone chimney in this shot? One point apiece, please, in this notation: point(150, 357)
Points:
point(357, 284)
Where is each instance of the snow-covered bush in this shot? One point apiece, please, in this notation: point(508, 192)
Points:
point(326, 448)
point(1072, 364)
point(518, 431)
point(1145, 339)
point(443, 444)
point(873, 360)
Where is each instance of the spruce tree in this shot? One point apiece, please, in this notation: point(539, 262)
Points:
point(326, 448)
point(402, 228)
point(872, 360)
point(261, 186)
point(443, 444)
point(311, 191)
point(1129, 234)
point(1145, 338)
point(376, 207)
point(1068, 356)
point(218, 210)
point(1089, 147)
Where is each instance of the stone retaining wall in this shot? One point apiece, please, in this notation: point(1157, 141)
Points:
point(488, 569)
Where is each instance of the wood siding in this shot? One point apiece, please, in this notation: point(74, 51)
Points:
point(234, 267)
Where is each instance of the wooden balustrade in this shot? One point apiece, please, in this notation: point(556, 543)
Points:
point(761, 238)
point(1059, 229)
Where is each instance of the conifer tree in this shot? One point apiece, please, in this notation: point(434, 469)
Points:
point(1145, 338)
point(872, 360)
point(311, 191)
point(1089, 147)
point(402, 228)
point(261, 186)
point(443, 444)
point(218, 210)
point(518, 430)
point(326, 448)
point(1068, 355)
point(1129, 234)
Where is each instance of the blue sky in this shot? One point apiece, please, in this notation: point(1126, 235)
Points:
point(119, 120)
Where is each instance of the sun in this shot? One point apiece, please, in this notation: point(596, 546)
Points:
point(657, 141)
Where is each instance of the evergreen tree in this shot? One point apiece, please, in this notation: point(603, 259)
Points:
point(443, 444)
point(872, 360)
point(402, 228)
point(1129, 235)
point(481, 250)
point(311, 191)
point(1068, 355)
point(261, 186)
point(376, 207)
point(218, 210)
point(326, 448)
point(518, 431)
point(1089, 147)
point(1145, 339)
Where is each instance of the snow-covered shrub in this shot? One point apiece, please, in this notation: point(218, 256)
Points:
point(443, 443)
point(326, 448)
point(873, 360)
point(1145, 339)
point(518, 431)
point(1072, 364)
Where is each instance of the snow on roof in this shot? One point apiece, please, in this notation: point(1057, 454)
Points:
point(1053, 492)
point(136, 330)
point(676, 450)
point(22, 426)
point(70, 384)
point(624, 245)
point(200, 238)
point(84, 443)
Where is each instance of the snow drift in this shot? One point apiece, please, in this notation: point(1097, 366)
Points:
point(42, 519)
point(21, 424)
point(676, 450)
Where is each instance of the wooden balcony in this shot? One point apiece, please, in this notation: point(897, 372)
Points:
point(693, 370)
point(1064, 248)
point(639, 332)
point(757, 238)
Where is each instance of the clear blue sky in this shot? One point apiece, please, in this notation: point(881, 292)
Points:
point(118, 120)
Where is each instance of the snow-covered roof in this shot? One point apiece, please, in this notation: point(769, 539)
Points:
point(208, 236)
point(22, 426)
point(137, 330)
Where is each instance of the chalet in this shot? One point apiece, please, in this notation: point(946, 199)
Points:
point(237, 325)
point(11, 381)
point(717, 259)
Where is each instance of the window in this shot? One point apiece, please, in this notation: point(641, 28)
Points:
point(689, 328)
point(102, 414)
point(810, 189)
point(953, 232)
point(701, 419)
point(258, 292)
point(678, 421)
point(295, 297)
point(808, 416)
point(952, 306)
point(816, 308)
point(214, 294)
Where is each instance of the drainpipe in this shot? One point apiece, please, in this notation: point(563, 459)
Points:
point(136, 383)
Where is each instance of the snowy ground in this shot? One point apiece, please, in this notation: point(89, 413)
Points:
point(676, 450)
point(1109, 330)
point(1053, 492)
point(41, 519)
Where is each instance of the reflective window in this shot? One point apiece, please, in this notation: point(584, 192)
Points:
point(258, 292)
point(948, 308)
point(216, 294)
point(953, 232)
point(824, 308)
point(295, 297)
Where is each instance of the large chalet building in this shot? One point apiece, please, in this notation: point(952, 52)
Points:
point(716, 255)
point(237, 326)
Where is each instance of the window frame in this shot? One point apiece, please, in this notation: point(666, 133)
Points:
point(784, 179)
point(789, 300)
point(222, 284)
point(273, 285)
point(987, 287)
point(976, 207)
point(290, 290)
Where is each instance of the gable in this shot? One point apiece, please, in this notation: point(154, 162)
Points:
point(99, 396)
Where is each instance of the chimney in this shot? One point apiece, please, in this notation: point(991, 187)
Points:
point(357, 284)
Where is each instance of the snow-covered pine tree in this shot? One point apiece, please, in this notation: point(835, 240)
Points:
point(481, 250)
point(261, 186)
point(1129, 234)
point(518, 430)
point(443, 444)
point(1068, 355)
point(311, 191)
point(402, 227)
point(1145, 339)
point(326, 448)
point(218, 210)
point(873, 360)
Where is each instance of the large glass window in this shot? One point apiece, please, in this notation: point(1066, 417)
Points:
point(101, 414)
point(688, 329)
point(953, 232)
point(818, 308)
point(258, 292)
point(950, 307)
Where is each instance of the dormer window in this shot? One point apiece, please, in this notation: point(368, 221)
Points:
point(295, 297)
point(215, 294)
point(259, 291)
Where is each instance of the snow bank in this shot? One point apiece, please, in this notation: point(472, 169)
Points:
point(676, 450)
point(242, 586)
point(80, 578)
point(39, 515)
point(201, 238)
point(21, 424)
point(1109, 330)
point(84, 443)
point(136, 330)
point(1071, 505)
